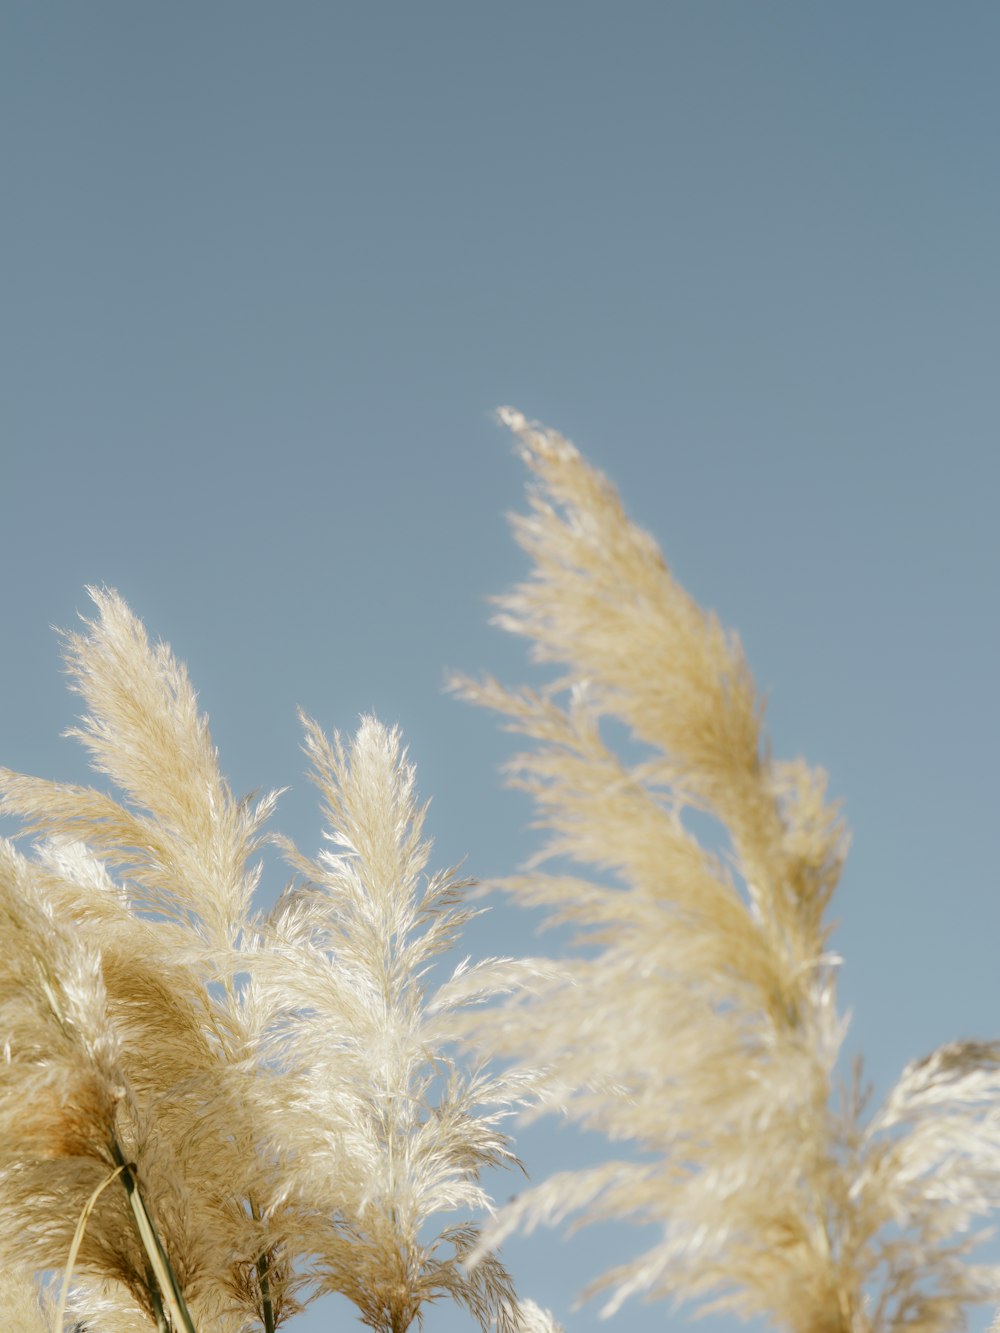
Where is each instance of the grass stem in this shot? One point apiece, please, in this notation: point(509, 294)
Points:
point(166, 1278)
point(267, 1306)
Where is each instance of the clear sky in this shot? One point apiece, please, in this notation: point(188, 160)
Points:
point(267, 268)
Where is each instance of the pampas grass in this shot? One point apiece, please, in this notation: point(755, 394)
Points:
point(276, 1091)
point(211, 1113)
point(697, 1021)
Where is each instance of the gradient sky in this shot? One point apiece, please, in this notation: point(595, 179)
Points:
point(268, 268)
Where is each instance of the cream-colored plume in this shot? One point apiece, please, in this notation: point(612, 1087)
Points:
point(272, 1106)
point(698, 1022)
point(388, 1134)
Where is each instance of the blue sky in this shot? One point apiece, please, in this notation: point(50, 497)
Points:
point(268, 269)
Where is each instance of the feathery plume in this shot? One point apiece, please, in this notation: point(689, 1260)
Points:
point(63, 1103)
point(181, 839)
point(168, 936)
point(388, 1132)
point(532, 1318)
point(283, 1088)
point(698, 1022)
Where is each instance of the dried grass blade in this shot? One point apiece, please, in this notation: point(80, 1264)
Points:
point(74, 1249)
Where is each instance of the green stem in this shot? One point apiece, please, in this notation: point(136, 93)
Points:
point(264, 1280)
point(166, 1278)
point(265, 1293)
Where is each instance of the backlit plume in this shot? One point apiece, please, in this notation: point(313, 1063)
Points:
point(219, 1112)
point(214, 1109)
point(697, 1023)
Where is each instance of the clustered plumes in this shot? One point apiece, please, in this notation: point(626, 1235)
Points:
point(211, 1114)
point(275, 1090)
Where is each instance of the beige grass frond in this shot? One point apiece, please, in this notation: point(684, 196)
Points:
point(390, 1134)
point(63, 1092)
point(60, 1084)
point(181, 837)
point(279, 1097)
point(27, 1307)
point(154, 890)
point(698, 1019)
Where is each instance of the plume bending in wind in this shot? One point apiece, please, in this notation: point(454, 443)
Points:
point(698, 1021)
